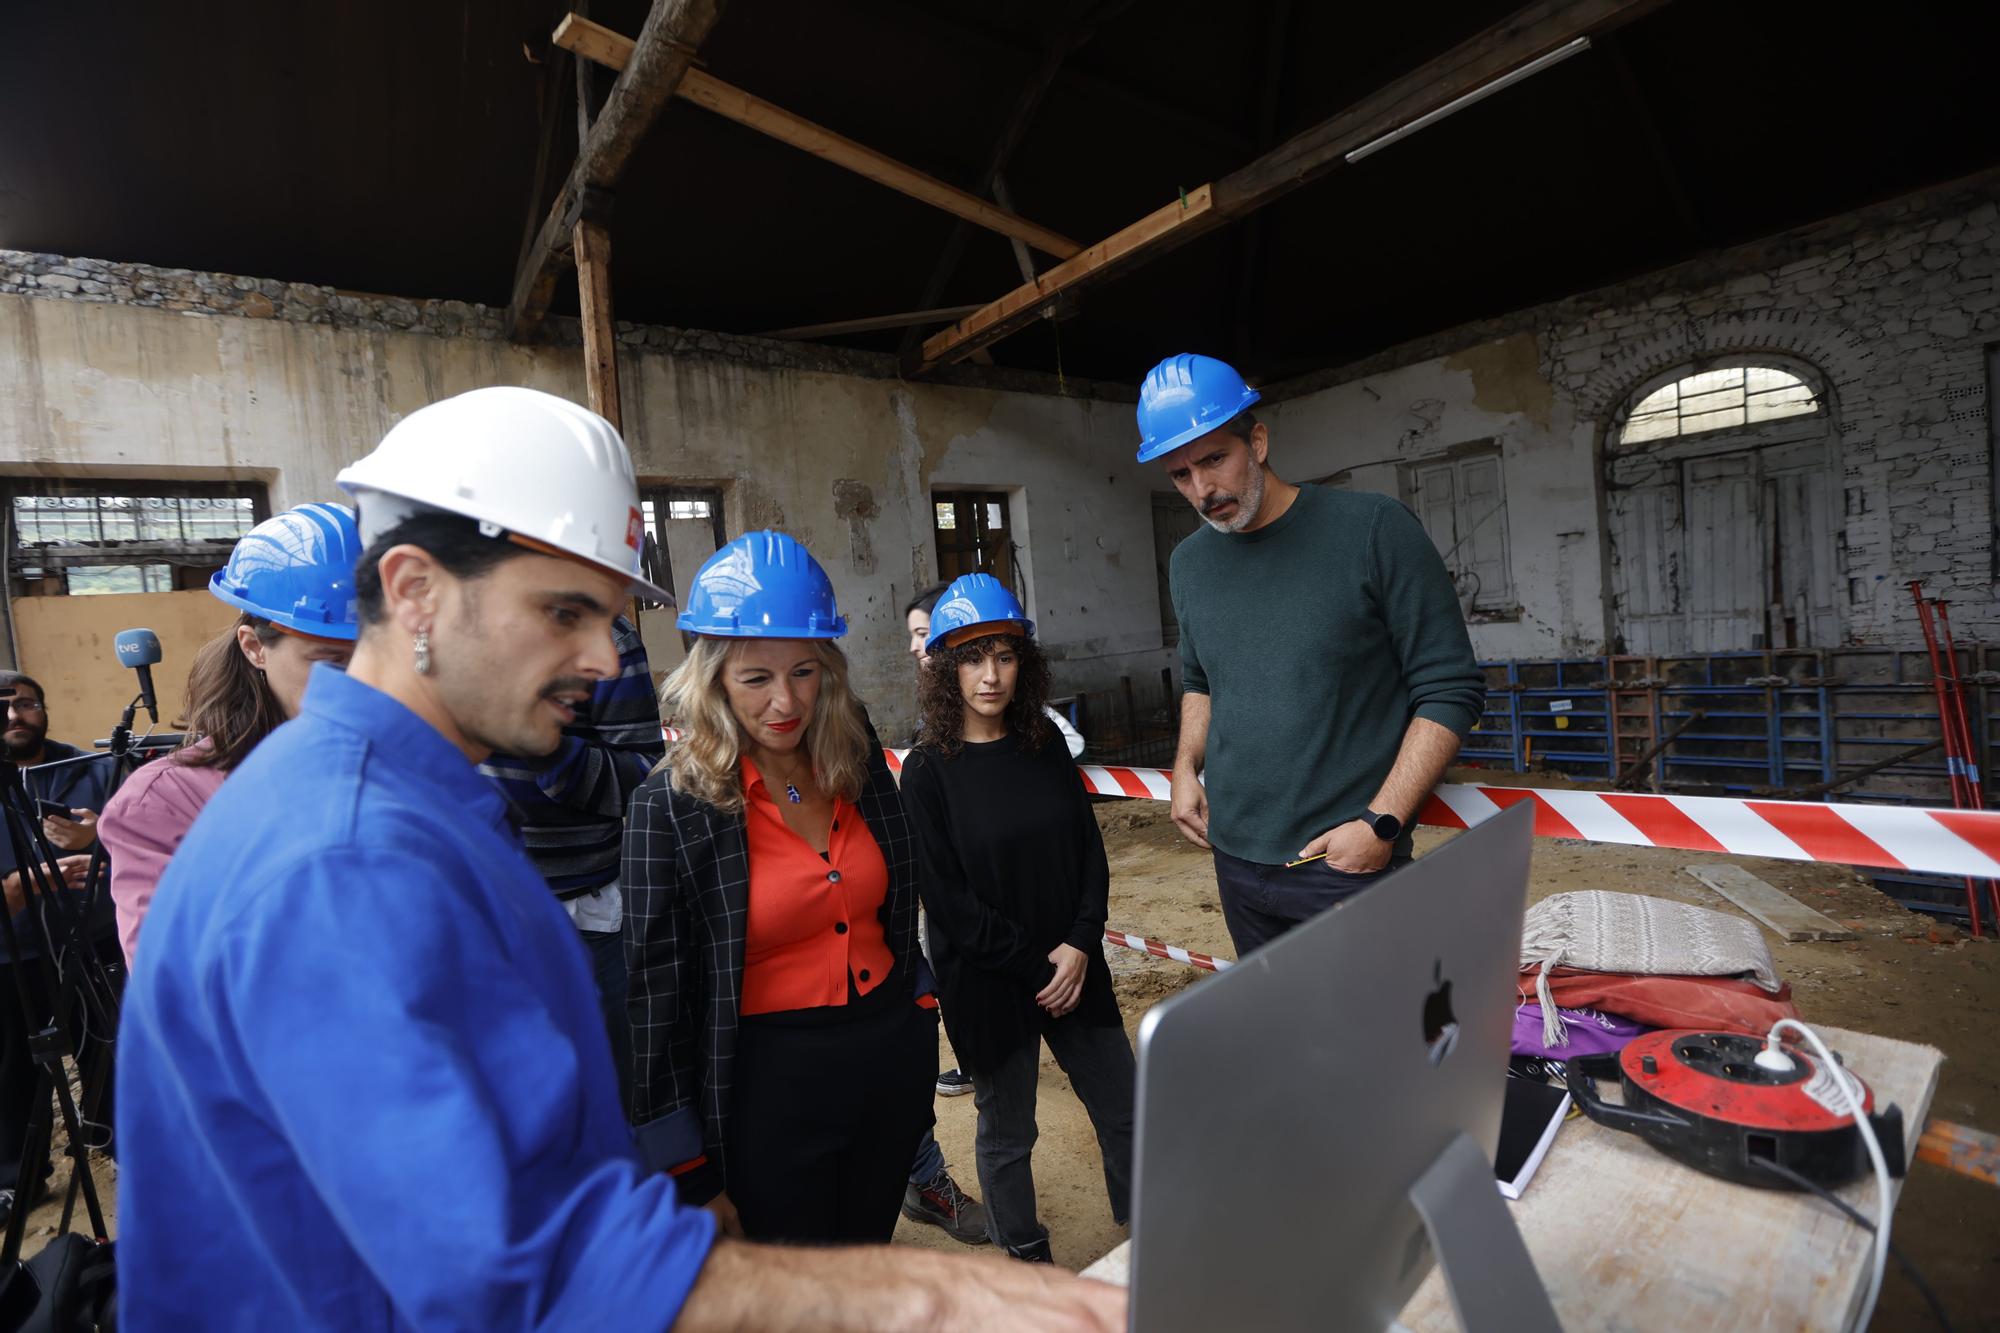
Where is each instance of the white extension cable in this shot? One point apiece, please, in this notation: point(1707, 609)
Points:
point(1773, 1057)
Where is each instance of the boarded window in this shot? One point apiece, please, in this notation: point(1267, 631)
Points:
point(974, 534)
point(1462, 504)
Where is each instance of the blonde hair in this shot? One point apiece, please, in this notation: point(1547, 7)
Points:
point(704, 762)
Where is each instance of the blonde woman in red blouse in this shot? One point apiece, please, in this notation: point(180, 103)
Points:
point(784, 1049)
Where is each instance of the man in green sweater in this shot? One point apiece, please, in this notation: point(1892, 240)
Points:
point(1327, 674)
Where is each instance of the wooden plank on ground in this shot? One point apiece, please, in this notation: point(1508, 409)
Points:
point(593, 41)
point(1779, 911)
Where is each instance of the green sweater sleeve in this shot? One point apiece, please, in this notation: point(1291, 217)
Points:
point(1421, 610)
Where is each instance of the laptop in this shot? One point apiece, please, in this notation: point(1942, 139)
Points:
point(1316, 1126)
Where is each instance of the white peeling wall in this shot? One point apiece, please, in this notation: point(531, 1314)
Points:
point(844, 462)
point(1370, 428)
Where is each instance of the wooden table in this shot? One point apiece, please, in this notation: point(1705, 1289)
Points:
point(1627, 1240)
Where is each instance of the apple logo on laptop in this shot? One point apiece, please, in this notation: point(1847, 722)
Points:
point(1440, 1023)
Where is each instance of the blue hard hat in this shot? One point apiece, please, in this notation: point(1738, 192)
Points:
point(763, 585)
point(296, 570)
point(976, 599)
point(1184, 398)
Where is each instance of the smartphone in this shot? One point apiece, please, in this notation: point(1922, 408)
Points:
point(52, 808)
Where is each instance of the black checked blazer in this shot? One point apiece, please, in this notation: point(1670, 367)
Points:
point(686, 880)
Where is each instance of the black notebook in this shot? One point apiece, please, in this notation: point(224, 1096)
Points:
point(1532, 1114)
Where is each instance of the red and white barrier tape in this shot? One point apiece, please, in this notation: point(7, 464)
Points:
point(1173, 951)
point(1892, 837)
point(1888, 837)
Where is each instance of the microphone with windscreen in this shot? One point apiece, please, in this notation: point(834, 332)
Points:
point(140, 649)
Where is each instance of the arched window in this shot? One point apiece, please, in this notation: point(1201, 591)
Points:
point(1722, 505)
point(1717, 399)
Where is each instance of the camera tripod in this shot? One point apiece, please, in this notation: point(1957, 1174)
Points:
point(80, 989)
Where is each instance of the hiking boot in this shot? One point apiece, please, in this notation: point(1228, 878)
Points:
point(953, 1083)
point(942, 1204)
point(1034, 1252)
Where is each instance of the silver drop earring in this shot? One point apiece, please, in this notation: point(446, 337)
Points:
point(423, 645)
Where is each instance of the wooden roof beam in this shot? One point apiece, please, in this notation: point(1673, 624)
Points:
point(657, 61)
point(593, 41)
point(1542, 29)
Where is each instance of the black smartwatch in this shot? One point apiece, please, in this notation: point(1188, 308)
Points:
point(1387, 827)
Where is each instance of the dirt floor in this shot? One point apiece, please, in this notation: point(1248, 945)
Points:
point(1906, 977)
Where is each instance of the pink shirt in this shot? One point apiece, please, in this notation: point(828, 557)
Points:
point(142, 826)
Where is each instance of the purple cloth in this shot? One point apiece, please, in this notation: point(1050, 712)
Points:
point(1586, 1032)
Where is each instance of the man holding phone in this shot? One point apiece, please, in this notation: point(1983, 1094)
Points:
point(67, 787)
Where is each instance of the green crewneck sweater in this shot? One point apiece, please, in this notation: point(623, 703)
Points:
point(1317, 639)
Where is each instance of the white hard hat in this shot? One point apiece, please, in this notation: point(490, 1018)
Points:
point(523, 463)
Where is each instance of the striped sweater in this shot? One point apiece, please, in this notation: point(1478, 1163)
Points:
point(570, 804)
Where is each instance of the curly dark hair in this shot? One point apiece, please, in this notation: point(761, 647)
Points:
point(942, 728)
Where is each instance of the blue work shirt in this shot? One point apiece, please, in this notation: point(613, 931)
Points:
point(363, 1080)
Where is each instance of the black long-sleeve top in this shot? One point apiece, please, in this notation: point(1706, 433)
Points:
point(1011, 864)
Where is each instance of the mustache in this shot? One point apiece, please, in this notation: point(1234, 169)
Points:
point(1220, 501)
point(568, 685)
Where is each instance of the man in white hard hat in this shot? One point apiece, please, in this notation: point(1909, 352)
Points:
point(364, 1080)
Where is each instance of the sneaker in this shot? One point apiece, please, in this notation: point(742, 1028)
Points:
point(953, 1083)
point(943, 1204)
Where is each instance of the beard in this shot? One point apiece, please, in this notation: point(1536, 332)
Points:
point(1247, 505)
point(25, 743)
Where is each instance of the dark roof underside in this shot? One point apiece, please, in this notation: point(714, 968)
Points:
point(388, 146)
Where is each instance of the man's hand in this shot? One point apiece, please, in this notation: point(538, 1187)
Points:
point(1352, 847)
point(1066, 987)
point(74, 834)
point(884, 1289)
point(1189, 807)
point(75, 873)
point(727, 1222)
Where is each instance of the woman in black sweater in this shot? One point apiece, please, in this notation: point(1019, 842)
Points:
point(1014, 878)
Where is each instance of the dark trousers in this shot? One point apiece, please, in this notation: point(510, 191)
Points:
point(1261, 902)
point(20, 1078)
point(1100, 1066)
point(607, 964)
point(823, 1120)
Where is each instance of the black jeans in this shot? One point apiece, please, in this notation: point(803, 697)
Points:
point(823, 1121)
point(1261, 902)
point(607, 964)
point(1101, 1068)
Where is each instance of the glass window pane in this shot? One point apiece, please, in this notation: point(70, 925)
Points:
point(946, 516)
point(1729, 416)
point(993, 517)
point(1659, 426)
point(1694, 404)
point(1772, 408)
point(1708, 381)
point(1659, 400)
point(1759, 378)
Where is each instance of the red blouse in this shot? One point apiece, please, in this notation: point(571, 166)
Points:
point(813, 921)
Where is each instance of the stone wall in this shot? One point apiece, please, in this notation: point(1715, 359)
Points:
point(1895, 306)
